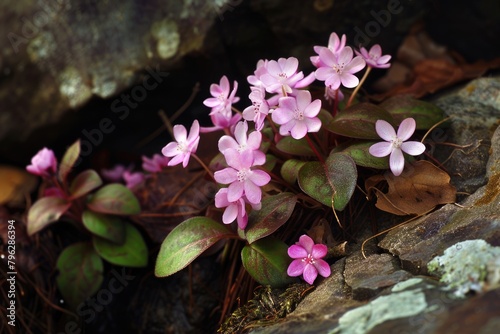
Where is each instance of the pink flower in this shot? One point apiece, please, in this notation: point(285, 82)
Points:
point(115, 174)
point(335, 44)
point(221, 122)
point(394, 143)
point(308, 260)
point(44, 163)
point(234, 210)
point(339, 68)
point(154, 164)
point(261, 69)
point(222, 100)
point(244, 143)
point(297, 115)
point(184, 146)
point(259, 109)
point(332, 94)
point(374, 57)
point(132, 179)
point(242, 180)
point(281, 75)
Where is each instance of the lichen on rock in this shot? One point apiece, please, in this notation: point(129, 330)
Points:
point(471, 265)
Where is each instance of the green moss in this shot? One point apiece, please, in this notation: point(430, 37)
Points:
point(467, 266)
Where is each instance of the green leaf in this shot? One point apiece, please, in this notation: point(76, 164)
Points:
point(358, 121)
point(267, 260)
point(290, 170)
point(69, 159)
point(46, 211)
point(132, 253)
point(84, 183)
point(293, 146)
point(270, 162)
point(80, 273)
point(186, 242)
point(331, 184)
point(362, 157)
point(115, 199)
point(404, 106)
point(108, 227)
point(275, 211)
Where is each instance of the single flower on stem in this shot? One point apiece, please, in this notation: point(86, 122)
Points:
point(281, 75)
point(115, 174)
point(244, 143)
point(335, 44)
point(222, 99)
point(154, 164)
point(395, 143)
point(297, 115)
point(43, 164)
point(308, 260)
point(242, 179)
point(234, 210)
point(184, 145)
point(259, 109)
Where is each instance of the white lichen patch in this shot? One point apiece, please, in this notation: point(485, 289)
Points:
point(41, 47)
point(402, 303)
point(73, 87)
point(167, 38)
point(471, 265)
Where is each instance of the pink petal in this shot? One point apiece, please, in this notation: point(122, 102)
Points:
point(259, 177)
point(333, 81)
point(312, 110)
point(297, 252)
point(221, 198)
point(381, 149)
point(299, 131)
point(327, 57)
point(376, 50)
point(176, 160)
point(252, 192)
point(303, 99)
point(406, 129)
point(194, 132)
point(356, 65)
point(306, 81)
point(240, 132)
point(215, 90)
point(323, 268)
point(385, 130)
point(287, 127)
point(254, 140)
point(170, 149)
point(349, 80)
point(282, 115)
point(226, 142)
point(397, 162)
point(180, 133)
point(345, 55)
point(233, 158)
point(230, 214)
point(226, 176)
point(413, 147)
point(290, 66)
point(319, 251)
point(384, 59)
point(224, 85)
point(296, 268)
point(310, 273)
point(306, 242)
point(313, 124)
point(273, 68)
point(323, 73)
point(212, 102)
point(235, 191)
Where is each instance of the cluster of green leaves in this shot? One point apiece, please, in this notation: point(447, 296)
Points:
point(330, 181)
point(97, 210)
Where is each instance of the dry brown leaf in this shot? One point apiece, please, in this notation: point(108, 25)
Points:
point(420, 188)
point(15, 185)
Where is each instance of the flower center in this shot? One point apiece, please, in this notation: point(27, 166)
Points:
point(396, 142)
point(298, 114)
point(309, 259)
point(339, 68)
point(182, 146)
point(242, 174)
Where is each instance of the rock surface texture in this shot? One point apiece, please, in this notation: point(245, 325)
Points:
point(394, 290)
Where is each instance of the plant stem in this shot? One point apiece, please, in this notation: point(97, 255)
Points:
point(313, 147)
point(368, 69)
point(203, 165)
point(336, 102)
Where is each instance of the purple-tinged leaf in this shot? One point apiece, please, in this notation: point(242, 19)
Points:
point(115, 199)
point(68, 161)
point(108, 227)
point(358, 121)
point(46, 211)
point(80, 273)
point(275, 212)
point(84, 183)
point(186, 242)
point(424, 113)
point(290, 170)
point(267, 260)
point(331, 184)
point(293, 146)
point(362, 157)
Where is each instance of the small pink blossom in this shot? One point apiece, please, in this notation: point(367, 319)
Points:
point(234, 210)
point(221, 122)
point(335, 44)
point(281, 75)
point(115, 174)
point(339, 68)
point(222, 99)
point(44, 163)
point(154, 164)
point(332, 94)
point(185, 145)
point(297, 115)
point(308, 260)
point(255, 79)
point(259, 109)
point(244, 143)
point(242, 180)
point(374, 58)
point(132, 179)
point(395, 144)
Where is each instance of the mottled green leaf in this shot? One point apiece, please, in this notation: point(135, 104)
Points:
point(80, 273)
point(114, 199)
point(68, 161)
point(133, 252)
point(290, 170)
point(186, 242)
point(105, 226)
point(404, 106)
point(293, 146)
point(84, 183)
point(274, 213)
point(362, 157)
point(46, 211)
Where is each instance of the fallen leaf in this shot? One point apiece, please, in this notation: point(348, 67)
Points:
point(15, 185)
point(419, 189)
